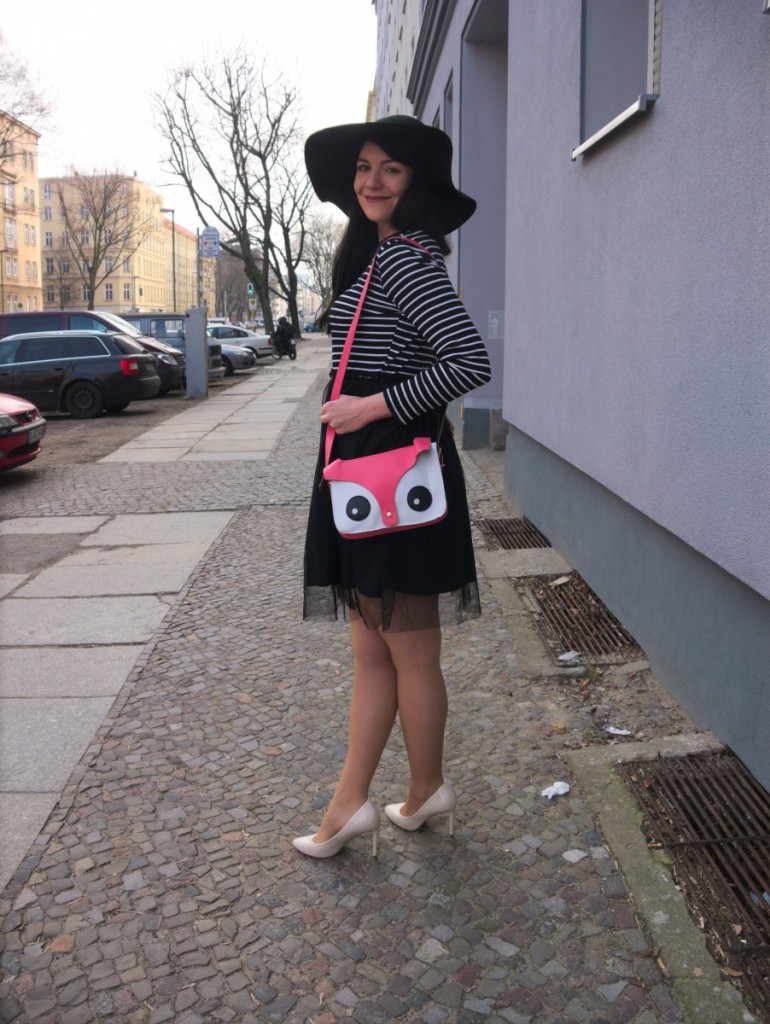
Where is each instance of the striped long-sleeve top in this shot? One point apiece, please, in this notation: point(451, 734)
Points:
point(412, 323)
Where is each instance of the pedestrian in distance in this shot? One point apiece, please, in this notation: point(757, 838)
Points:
point(414, 350)
point(283, 339)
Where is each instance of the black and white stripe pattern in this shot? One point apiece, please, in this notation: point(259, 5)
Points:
point(412, 323)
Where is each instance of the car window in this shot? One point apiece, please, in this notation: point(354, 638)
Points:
point(33, 350)
point(81, 322)
point(28, 323)
point(8, 352)
point(160, 327)
point(123, 325)
point(87, 346)
point(127, 346)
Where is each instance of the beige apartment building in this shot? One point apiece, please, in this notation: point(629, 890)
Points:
point(108, 235)
point(20, 267)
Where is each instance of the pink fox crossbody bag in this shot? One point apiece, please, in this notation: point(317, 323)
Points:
point(386, 492)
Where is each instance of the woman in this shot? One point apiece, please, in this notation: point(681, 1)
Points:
point(415, 349)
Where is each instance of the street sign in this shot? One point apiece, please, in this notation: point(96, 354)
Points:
point(252, 303)
point(210, 242)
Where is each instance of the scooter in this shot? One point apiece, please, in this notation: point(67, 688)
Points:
point(284, 348)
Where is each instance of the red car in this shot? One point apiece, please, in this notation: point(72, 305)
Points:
point(21, 430)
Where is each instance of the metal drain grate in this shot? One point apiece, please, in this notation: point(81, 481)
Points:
point(511, 534)
point(713, 818)
point(570, 617)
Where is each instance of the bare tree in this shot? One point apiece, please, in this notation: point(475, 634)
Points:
point(232, 135)
point(322, 237)
point(104, 224)
point(60, 278)
point(22, 104)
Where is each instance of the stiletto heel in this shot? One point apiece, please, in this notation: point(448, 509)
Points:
point(443, 801)
point(366, 819)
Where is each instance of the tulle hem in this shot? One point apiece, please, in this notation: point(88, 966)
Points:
point(393, 612)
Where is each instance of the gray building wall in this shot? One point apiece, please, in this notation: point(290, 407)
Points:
point(637, 355)
point(634, 367)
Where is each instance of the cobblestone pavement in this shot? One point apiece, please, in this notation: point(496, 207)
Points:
point(165, 887)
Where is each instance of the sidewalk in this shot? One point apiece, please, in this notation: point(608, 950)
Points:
point(170, 723)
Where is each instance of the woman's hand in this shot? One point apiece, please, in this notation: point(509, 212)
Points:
point(349, 412)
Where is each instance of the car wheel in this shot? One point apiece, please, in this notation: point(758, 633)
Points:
point(256, 354)
point(84, 400)
point(229, 371)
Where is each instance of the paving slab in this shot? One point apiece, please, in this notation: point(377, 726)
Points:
point(10, 581)
point(42, 739)
point(42, 622)
point(160, 528)
point(523, 562)
point(161, 577)
point(22, 818)
point(66, 671)
point(51, 524)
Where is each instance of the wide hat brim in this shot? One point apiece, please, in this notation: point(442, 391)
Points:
point(330, 158)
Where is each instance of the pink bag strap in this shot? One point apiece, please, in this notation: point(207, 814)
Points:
point(345, 355)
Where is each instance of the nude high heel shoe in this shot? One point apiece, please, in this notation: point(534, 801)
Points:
point(443, 801)
point(366, 819)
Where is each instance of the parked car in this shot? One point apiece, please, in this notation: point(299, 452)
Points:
point(79, 372)
point(170, 361)
point(260, 344)
point(311, 327)
point(234, 357)
point(170, 329)
point(21, 431)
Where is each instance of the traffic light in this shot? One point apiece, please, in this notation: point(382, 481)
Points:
point(249, 289)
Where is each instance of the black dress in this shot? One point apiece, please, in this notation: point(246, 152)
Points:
point(417, 345)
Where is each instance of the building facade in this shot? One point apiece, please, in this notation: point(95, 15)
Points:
point(117, 223)
point(616, 267)
point(20, 268)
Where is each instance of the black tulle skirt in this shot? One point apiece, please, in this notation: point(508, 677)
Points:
point(411, 579)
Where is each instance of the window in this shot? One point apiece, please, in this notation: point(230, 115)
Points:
point(66, 293)
point(87, 347)
point(46, 191)
point(26, 233)
point(64, 264)
point(620, 65)
point(126, 266)
point(50, 294)
point(48, 240)
point(84, 213)
point(32, 198)
point(85, 238)
point(126, 292)
point(108, 293)
point(109, 265)
point(33, 234)
point(47, 213)
point(49, 264)
point(86, 293)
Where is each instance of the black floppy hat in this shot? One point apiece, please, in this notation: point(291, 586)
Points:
point(330, 158)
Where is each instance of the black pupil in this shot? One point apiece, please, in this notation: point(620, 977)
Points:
point(419, 498)
point(358, 508)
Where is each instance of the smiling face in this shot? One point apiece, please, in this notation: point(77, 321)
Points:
point(379, 184)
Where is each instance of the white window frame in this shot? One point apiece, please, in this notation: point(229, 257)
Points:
point(649, 90)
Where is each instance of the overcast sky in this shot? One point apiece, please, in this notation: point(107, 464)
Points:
point(101, 65)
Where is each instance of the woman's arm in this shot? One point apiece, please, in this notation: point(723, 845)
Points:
point(421, 289)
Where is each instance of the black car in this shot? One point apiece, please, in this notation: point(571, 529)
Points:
point(79, 372)
point(170, 361)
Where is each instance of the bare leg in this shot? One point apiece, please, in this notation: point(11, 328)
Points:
point(373, 708)
point(422, 709)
